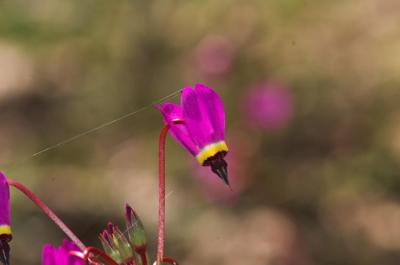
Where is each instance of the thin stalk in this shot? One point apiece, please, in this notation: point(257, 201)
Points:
point(169, 260)
point(47, 211)
point(142, 253)
point(161, 194)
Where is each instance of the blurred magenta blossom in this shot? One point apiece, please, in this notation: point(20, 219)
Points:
point(214, 56)
point(269, 106)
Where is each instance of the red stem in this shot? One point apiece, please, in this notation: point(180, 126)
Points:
point(169, 260)
point(142, 253)
point(161, 193)
point(47, 211)
point(96, 251)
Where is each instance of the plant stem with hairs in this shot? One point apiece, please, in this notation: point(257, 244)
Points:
point(47, 211)
point(161, 194)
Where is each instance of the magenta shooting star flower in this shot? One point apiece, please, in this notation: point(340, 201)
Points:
point(5, 228)
point(62, 255)
point(198, 124)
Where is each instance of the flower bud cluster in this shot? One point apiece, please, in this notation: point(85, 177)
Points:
point(128, 247)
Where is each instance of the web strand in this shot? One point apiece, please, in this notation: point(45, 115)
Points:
point(15, 164)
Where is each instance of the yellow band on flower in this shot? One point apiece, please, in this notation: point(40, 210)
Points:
point(211, 150)
point(5, 230)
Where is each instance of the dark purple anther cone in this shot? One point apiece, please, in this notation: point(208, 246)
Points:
point(219, 166)
point(4, 250)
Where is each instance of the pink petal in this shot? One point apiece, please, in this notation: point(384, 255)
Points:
point(4, 201)
point(203, 114)
point(48, 255)
point(179, 132)
point(61, 255)
point(212, 103)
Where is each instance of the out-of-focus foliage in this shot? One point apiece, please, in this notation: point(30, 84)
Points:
point(321, 188)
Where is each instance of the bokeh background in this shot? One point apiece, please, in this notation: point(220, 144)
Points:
point(311, 90)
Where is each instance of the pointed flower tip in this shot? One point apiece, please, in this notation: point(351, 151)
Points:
point(4, 251)
point(135, 228)
point(111, 227)
point(105, 238)
point(130, 214)
point(115, 243)
point(3, 178)
point(220, 167)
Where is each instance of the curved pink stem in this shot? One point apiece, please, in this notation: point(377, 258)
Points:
point(47, 211)
point(161, 193)
point(169, 260)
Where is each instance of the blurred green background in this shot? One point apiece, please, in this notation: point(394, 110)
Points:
point(311, 90)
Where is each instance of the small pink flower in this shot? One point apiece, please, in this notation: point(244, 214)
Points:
point(269, 106)
point(214, 56)
point(198, 124)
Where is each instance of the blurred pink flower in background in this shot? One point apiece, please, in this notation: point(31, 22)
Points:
point(214, 56)
point(269, 106)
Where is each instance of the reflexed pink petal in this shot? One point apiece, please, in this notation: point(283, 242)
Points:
point(179, 132)
point(170, 112)
point(213, 105)
point(47, 255)
point(197, 118)
point(4, 201)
